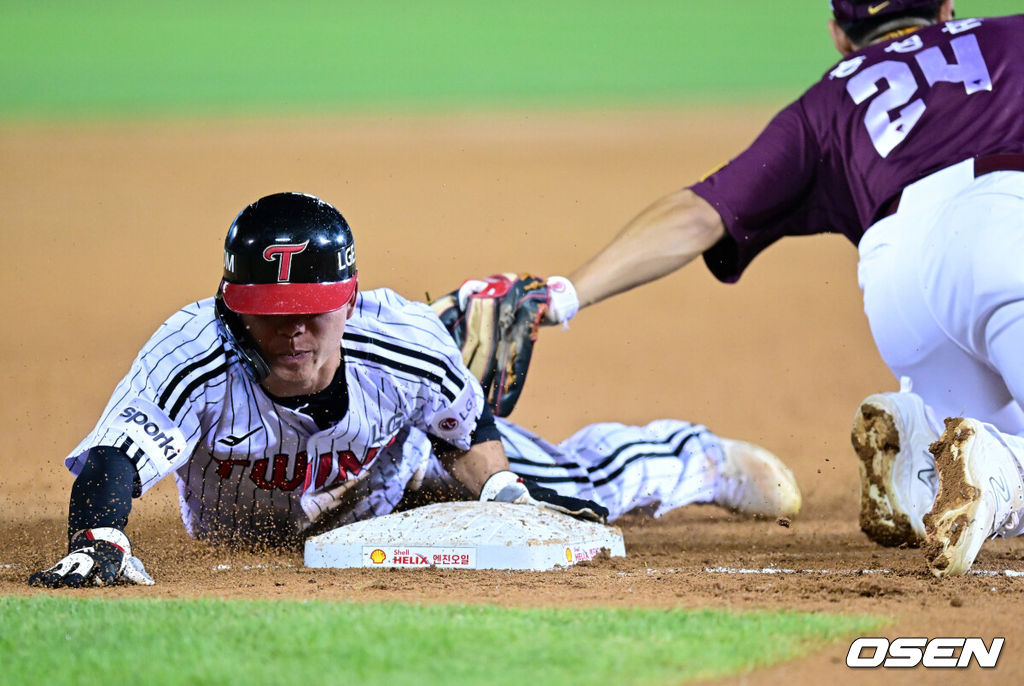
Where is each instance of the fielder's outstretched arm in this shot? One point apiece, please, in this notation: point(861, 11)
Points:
point(661, 239)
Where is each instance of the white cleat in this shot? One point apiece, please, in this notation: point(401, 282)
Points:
point(890, 435)
point(980, 494)
point(753, 481)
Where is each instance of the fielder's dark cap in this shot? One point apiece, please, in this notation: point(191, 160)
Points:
point(288, 253)
point(851, 11)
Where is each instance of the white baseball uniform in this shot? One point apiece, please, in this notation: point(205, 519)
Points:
point(251, 470)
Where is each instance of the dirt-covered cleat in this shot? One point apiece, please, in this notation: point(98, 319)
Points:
point(891, 434)
point(980, 494)
point(753, 481)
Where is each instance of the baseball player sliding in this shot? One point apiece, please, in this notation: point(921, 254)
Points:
point(912, 146)
point(292, 403)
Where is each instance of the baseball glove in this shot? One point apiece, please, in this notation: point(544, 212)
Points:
point(494, 322)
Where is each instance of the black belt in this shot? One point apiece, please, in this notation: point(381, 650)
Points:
point(983, 164)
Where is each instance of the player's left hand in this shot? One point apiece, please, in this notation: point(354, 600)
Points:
point(98, 557)
point(508, 487)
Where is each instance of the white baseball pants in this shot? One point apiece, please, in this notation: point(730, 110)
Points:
point(943, 282)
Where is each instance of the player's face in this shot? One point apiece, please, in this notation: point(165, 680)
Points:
point(303, 351)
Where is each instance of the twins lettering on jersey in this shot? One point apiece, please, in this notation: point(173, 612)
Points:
point(273, 473)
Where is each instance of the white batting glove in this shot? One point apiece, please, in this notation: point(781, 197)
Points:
point(98, 557)
point(508, 487)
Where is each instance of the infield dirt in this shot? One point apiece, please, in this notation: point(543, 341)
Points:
point(108, 229)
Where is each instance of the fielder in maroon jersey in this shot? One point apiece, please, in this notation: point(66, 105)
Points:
point(912, 146)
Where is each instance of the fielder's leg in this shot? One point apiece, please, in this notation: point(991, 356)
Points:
point(891, 435)
point(981, 494)
point(945, 300)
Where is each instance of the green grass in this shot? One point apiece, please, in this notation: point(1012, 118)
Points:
point(45, 639)
point(117, 58)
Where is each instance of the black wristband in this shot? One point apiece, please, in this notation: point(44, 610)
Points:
point(102, 494)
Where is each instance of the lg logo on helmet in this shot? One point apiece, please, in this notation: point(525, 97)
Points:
point(284, 251)
point(347, 259)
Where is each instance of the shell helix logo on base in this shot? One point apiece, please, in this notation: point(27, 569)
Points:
point(378, 556)
point(568, 554)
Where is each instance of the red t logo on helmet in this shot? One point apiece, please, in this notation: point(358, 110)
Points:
point(285, 252)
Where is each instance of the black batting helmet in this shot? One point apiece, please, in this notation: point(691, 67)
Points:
point(288, 253)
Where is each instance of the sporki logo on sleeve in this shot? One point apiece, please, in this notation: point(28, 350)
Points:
point(153, 431)
point(950, 652)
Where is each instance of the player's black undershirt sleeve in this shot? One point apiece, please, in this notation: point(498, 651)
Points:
point(102, 494)
point(486, 429)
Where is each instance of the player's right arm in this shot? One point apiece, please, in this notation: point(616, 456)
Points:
point(98, 549)
point(149, 428)
point(664, 237)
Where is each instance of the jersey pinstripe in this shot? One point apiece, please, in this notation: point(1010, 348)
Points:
point(252, 471)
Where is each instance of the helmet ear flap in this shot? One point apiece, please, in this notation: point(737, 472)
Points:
point(238, 338)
